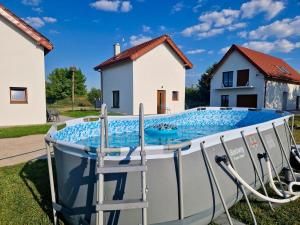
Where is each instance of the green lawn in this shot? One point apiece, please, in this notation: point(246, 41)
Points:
point(83, 113)
point(19, 131)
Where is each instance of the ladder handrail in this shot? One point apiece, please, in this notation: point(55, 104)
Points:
point(241, 185)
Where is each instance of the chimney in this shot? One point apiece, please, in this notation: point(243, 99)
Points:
point(117, 49)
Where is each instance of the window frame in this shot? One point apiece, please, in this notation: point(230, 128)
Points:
point(12, 101)
point(114, 105)
point(227, 82)
point(225, 96)
point(176, 97)
point(239, 80)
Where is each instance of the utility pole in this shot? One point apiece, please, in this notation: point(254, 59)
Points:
point(73, 69)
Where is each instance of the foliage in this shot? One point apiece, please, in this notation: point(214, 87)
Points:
point(199, 96)
point(83, 113)
point(19, 131)
point(94, 94)
point(59, 84)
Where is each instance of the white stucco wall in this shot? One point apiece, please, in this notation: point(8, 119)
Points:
point(118, 78)
point(234, 63)
point(274, 96)
point(21, 65)
point(159, 69)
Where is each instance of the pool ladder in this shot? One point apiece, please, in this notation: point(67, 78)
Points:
point(112, 205)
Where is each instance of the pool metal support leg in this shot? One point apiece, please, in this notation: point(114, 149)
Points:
point(180, 191)
point(216, 182)
point(143, 161)
point(292, 136)
point(271, 161)
point(51, 179)
point(255, 168)
point(100, 164)
point(283, 151)
point(242, 187)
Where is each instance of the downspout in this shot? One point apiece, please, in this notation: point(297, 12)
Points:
point(265, 93)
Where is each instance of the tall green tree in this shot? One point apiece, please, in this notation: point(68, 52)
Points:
point(59, 84)
point(94, 94)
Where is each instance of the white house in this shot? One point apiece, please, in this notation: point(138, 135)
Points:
point(152, 73)
point(22, 73)
point(248, 78)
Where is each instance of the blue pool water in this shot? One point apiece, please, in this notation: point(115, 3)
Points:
point(189, 125)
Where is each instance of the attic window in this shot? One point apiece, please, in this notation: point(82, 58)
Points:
point(282, 69)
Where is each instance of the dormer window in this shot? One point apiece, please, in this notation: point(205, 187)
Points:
point(228, 79)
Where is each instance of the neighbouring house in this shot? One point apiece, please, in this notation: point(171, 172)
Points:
point(248, 78)
point(22, 77)
point(152, 73)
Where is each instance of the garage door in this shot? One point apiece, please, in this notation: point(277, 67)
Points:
point(249, 101)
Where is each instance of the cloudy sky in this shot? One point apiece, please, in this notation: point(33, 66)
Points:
point(83, 31)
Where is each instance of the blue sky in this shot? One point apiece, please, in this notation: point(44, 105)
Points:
point(83, 31)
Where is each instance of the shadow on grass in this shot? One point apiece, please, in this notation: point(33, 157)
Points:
point(36, 173)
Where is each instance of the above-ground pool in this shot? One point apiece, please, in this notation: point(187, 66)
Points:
point(186, 197)
point(124, 131)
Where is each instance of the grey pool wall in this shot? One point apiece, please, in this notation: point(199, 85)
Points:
point(76, 177)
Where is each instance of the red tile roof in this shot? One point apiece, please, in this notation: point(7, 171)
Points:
point(139, 50)
point(271, 67)
point(24, 27)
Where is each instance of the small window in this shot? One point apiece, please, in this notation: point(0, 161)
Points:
point(242, 78)
point(175, 95)
point(18, 95)
point(224, 100)
point(228, 79)
point(116, 99)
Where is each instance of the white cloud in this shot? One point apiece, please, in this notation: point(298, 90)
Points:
point(211, 33)
point(112, 5)
point(281, 45)
point(37, 9)
point(34, 21)
point(197, 6)
point(236, 26)
point(196, 51)
point(221, 18)
point(49, 19)
point(54, 32)
point(279, 29)
point(224, 50)
point(202, 27)
point(210, 52)
point(126, 6)
point(146, 28)
point(254, 7)
point(242, 34)
point(177, 7)
point(162, 28)
point(31, 2)
point(138, 39)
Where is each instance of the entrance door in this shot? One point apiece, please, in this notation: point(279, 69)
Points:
point(284, 100)
point(161, 101)
point(249, 101)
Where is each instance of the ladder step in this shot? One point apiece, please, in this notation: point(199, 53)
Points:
point(122, 205)
point(122, 169)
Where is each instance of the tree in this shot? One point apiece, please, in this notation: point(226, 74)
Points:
point(94, 94)
point(59, 84)
point(204, 85)
point(200, 96)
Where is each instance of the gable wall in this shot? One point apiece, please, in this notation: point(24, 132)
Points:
point(22, 65)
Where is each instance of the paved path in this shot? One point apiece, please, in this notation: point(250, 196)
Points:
point(21, 149)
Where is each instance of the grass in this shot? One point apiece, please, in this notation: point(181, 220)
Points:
point(25, 194)
point(82, 113)
point(19, 131)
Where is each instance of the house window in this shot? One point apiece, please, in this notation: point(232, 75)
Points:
point(242, 78)
point(228, 79)
point(116, 99)
point(175, 95)
point(224, 100)
point(18, 95)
